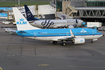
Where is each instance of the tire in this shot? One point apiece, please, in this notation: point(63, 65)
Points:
point(63, 44)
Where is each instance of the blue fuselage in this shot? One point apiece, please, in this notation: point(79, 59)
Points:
point(58, 32)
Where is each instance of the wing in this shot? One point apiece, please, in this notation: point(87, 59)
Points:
point(65, 38)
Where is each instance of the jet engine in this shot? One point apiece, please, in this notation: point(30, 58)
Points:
point(78, 40)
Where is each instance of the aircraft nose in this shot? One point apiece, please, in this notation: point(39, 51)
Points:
point(83, 23)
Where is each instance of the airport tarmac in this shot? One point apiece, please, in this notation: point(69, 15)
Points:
point(19, 53)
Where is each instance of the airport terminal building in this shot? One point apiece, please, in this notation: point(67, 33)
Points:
point(88, 10)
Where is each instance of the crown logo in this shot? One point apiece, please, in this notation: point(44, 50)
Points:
point(21, 21)
point(83, 30)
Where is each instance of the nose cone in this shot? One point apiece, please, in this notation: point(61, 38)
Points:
point(83, 23)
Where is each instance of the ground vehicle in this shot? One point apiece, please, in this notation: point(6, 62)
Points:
point(94, 24)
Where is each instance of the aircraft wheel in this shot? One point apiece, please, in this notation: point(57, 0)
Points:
point(63, 43)
point(72, 42)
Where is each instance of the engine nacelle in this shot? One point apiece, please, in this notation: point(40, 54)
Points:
point(79, 40)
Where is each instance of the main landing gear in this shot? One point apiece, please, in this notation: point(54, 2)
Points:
point(63, 43)
point(91, 41)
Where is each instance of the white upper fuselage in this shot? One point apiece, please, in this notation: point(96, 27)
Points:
point(56, 23)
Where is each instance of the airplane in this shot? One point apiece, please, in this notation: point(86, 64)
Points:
point(75, 35)
point(51, 23)
point(10, 31)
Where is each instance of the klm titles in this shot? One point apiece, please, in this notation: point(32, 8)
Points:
point(22, 21)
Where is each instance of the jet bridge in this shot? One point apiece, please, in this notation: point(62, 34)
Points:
point(89, 12)
point(64, 8)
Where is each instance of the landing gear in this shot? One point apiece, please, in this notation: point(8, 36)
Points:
point(54, 42)
point(63, 43)
point(72, 42)
point(91, 41)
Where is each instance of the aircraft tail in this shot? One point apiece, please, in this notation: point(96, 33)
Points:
point(29, 15)
point(21, 22)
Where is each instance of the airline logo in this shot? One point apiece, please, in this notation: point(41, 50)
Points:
point(21, 22)
point(47, 24)
point(81, 40)
point(28, 14)
point(83, 30)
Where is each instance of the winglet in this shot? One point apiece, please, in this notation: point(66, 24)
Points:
point(72, 35)
point(21, 22)
point(29, 15)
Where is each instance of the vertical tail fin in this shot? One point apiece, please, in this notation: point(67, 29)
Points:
point(29, 15)
point(21, 22)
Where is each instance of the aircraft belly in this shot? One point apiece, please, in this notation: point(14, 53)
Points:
point(42, 38)
point(48, 38)
point(90, 36)
point(57, 38)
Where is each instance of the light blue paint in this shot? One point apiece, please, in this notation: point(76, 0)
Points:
point(21, 22)
point(58, 32)
point(3, 15)
point(5, 8)
point(83, 23)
